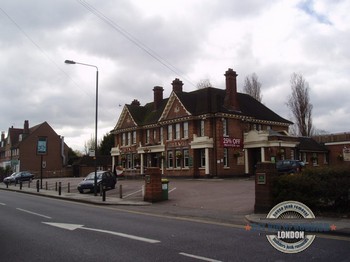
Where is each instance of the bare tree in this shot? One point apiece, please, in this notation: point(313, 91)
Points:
point(299, 104)
point(252, 87)
point(203, 84)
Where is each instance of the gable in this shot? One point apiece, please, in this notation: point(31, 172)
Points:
point(174, 109)
point(125, 120)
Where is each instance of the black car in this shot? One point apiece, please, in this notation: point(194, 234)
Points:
point(19, 177)
point(106, 178)
point(289, 166)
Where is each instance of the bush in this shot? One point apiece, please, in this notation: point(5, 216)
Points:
point(322, 189)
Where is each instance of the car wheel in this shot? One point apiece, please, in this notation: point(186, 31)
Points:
point(81, 191)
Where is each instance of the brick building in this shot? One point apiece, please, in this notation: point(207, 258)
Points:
point(338, 145)
point(206, 132)
point(22, 152)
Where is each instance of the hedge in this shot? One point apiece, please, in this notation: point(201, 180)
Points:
point(321, 189)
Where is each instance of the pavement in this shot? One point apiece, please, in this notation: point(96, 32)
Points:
point(225, 201)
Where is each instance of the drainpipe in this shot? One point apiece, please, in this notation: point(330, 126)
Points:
point(62, 151)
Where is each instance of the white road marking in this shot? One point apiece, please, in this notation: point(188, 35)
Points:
point(199, 257)
point(2, 204)
point(133, 193)
point(172, 190)
point(75, 226)
point(33, 213)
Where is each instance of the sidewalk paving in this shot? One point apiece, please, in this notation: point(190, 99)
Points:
point(229, 201)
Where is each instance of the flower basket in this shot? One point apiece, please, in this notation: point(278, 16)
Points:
point(178, 155)
point(237, 154)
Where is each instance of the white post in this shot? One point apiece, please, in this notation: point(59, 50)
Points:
point(246, 164)
point(141, 165)
point(263, 154)
point(207, 161)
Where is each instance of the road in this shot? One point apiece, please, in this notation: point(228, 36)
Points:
point(34, 228)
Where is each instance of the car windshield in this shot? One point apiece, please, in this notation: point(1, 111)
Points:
point(91, 176)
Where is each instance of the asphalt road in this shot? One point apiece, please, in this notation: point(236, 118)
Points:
point(36, 228)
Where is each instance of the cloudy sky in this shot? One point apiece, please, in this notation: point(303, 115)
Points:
point(139, 44)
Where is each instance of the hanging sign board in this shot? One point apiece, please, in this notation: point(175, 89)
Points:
point(42, 146)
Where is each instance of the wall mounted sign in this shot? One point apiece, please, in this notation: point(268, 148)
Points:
point(231, 142)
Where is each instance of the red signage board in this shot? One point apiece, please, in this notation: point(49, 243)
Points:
point(231, 142)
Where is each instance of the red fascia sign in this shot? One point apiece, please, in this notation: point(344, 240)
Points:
point(231, 142)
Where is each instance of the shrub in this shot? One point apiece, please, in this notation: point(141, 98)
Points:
point(322, 189)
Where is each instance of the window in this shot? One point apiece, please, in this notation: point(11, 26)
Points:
point(314, 159)
point(186, 158)
point(147, 136)
point(123, 139)
point(177, 131)
point(170, 159)
point(224, 127)
point(129, 138)
point(161, 134)
point(202, 154)
point(155, 135)
point(226, 157)
point(170, 132)
point(179, 156)
point(128, 161)
point(185, 130)
point(134, 137)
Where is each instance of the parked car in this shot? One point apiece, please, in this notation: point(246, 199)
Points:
point(18, 177)
point(289, 166)
point(106, 178)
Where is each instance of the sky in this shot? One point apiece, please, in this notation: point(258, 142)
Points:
point(139, 44)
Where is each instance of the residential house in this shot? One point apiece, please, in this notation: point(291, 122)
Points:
point(36, 149)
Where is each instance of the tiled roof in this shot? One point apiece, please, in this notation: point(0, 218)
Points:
point(309, 144)
point(204, 101)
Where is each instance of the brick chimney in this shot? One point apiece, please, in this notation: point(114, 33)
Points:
point(2, 136)
point(26, 127)
point(231, 100)
point(135, 102)
point(158, 96)
point(177, 85)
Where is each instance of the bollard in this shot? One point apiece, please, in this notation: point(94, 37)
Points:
point(7, 185)
point(20, 185)
point(120, 191)
point(29, 183)
point(59, 188)
point(103, 194)
point(56, 186)
point(68, 187)
point(46, 185)
point(37, 185)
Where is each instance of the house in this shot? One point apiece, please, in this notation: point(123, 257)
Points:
point(338, 145)
point(35, 149)
point(204, 133)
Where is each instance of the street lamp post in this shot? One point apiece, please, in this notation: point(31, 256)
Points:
point(96, 114)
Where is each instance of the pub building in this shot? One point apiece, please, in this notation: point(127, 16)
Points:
point(209, 132)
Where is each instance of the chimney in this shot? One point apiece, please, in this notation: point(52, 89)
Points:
point(177, 85)
point(26, 127)
point(231, 100)
point(158, 96)
point(2, 136)
point(135, 102)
